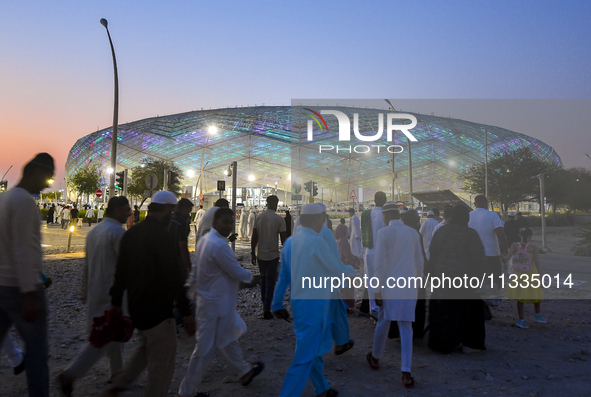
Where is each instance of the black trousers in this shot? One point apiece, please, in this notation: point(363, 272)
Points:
point(268, 270)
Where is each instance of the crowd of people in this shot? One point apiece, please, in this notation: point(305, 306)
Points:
point(66, 215)
point(145, 277)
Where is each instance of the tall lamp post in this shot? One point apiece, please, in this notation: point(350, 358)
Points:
point(409, 162)
point(115, 114)
point(542, 208)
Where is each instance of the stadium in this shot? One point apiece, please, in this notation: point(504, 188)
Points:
point(274, 155)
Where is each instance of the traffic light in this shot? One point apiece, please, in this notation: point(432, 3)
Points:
point(308, 186)
point(173, 180)
point(119, 180)
point(3, 186)
point(314, 189)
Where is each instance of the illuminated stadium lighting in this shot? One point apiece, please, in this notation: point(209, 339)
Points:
point(212, 129)
point(190, 173)
point(251, 178)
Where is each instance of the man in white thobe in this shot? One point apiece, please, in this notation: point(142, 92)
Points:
point(306, 256)
point(215, 280)
point(89, 215)
point(199, 216)
point(355, 232)
point(398, 257)
point(207, 220)
point(426, 231)
point(243, 230)
point(296, 224)
point(102, 250)
point(377, 223)
point(251, 217)
point(446, 219)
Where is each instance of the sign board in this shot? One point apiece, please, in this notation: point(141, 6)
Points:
point(99, 192)
point(221, 185)
point(151, 181)
point(147, 193)
point(343, 206)
point(353, 196)
point(297, 197)
point(200, 196)
point(296, 187)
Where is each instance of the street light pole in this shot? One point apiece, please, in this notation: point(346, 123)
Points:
point(411, 203)
point(234, 188)
point(543, 209)
point(486, 163)
point(115, 114)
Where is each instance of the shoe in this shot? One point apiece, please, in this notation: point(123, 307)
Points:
point(257, 368)
point(19, 368)
point(521, 324)
point(65, 385)
point(373, 366)
point(541, 319)
point(267, 315)
point(373, 314)
point(409, 385)
point(344, 348)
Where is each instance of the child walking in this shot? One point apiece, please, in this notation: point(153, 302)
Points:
point(525, 261)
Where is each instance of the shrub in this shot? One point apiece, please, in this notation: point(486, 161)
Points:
point(583, 247)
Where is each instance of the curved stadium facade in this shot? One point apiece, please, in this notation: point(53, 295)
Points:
point(269, 143)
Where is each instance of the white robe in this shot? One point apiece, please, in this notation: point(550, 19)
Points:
point(243, 230)
point(377, 223)
point(398, 254)
point(296, 224)
point(355, 231)
point(102, 250)
point(251, 218)
point(205, 225)
point(199, 217)
point(215, 280)
point(426, 231)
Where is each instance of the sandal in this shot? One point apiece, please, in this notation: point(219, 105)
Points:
point(65, 385)
point(257, 368)
point(344, 348)
point(408, 385)
point(371, 364)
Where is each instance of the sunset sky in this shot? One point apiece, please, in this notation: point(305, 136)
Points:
point(56, 75)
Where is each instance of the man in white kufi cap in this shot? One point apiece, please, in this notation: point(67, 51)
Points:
point(306, 258)
point(148, 271)
point(426, 231)
point(399, 257)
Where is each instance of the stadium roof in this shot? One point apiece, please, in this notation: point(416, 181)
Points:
point(269, 143)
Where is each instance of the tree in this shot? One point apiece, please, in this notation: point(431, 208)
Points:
point(137, 184)
point(509, 177)
point(53, 195)
point(579, 190)
point(85, 181)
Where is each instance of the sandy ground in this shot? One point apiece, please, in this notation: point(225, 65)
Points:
point(544, 360)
